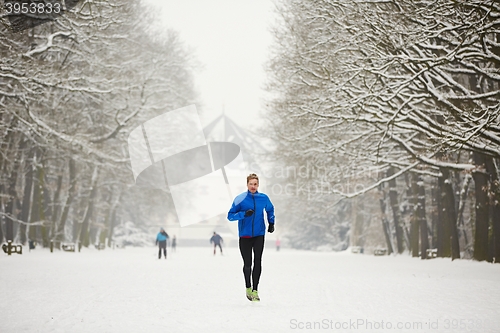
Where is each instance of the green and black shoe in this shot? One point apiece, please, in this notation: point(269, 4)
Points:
point(249, 294)
point(255, 296)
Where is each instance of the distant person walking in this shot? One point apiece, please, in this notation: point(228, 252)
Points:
point(248, 209)
point(174, 243)
point(278, 244)
point(161, 241)
point(217, 240)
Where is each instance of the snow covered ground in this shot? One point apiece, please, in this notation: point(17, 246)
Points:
point(130, 290)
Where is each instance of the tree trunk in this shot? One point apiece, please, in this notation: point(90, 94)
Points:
point(105, 228)
point(36, 208)
point(482, 208)
point(47, 213)
point(38, 228)
point(393, 197)
point(492, 170)
point(2, 207)
point(434, 216)
point(112, 219)
point(56, 209)
point(443, 235)
point(449, 217)
point(461, 206)
point(83, 234)
point(42, 205)
point(9, 208)
point(385, 222)
point(112, 223)
point(15, 147)
point(357, 228)
point(59, 236)
point(422, 220)
point(5, 144)
point(414, 221)
point(12, 197)
point(28, 190)
point(360, 221)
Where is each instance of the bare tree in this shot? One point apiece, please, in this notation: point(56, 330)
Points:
point(70, 92)
point(354, 89)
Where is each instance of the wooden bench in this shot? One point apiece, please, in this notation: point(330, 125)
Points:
point(380, 252)
point(68, 247)
point(432, 253)
point(10, 248)
point(356, 249)
point(100, 246)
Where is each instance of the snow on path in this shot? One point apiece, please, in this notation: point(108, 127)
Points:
point(131, 290)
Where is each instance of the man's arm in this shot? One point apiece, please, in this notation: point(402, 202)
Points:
point(270, 211)
point(235, 213)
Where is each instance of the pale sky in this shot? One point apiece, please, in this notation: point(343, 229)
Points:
point(231, 38)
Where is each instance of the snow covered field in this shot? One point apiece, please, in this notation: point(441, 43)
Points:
point(130, 290)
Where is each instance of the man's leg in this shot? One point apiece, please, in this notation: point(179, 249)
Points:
point(258, 248)
point(246, 254)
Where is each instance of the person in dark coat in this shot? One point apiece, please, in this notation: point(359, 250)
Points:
point(217, 240)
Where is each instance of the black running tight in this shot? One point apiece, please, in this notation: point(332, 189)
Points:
point(247, 245)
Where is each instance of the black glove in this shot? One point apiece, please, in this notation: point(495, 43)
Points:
point(270, 228)
point(249, 213)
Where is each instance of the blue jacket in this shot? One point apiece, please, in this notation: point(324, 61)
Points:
point(254, 225)
point(161, 237)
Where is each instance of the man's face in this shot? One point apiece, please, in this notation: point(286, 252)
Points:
point(253, 185)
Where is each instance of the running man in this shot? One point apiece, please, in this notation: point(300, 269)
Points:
point(248, 209)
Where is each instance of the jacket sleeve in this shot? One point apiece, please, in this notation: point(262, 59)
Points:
point(270, 211)
point(235, 213)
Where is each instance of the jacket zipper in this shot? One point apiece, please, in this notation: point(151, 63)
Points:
point(254, 212)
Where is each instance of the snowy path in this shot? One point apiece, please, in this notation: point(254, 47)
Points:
point(131, 290)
